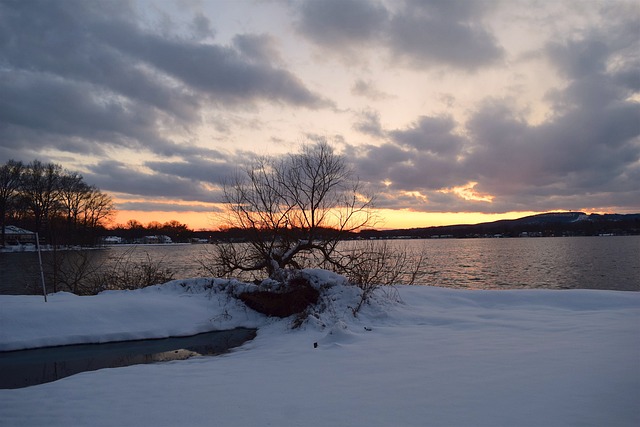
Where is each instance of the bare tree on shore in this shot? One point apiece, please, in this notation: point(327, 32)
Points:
point(10, 175)
point(51, 201)
point(290, 209)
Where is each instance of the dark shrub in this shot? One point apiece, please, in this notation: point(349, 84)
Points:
point(299, 295)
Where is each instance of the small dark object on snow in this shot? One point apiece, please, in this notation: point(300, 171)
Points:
point(315, 345)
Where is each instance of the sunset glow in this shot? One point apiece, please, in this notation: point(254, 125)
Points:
point(394, 219)
point(467, 192)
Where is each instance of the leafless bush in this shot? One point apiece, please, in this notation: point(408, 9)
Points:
point(126, 273)
point(373, 264)
point(71, 270)
point(215, 260)
point(87, 272)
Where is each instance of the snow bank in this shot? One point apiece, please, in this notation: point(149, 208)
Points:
point(418, 356)
point(177, 308)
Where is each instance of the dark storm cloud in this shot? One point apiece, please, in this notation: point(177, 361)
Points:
point(201, 27)
point(58, 40)
point(373, 162)
point(257, 48)
point(197, 169)
point(164, 207)
point(589, 151)
point(111, 175)
point(443, 32)
point(405, 163)
point(586, 154)
point(39, 110)
point(341, 22)
point(579, 152)
point(432, 135)
point(368, 122)
point(79, 76)
point(223, 72)
point(368, 90)
point(192, 179)
point(423, 157)
point(585, 157)
point(415, 33)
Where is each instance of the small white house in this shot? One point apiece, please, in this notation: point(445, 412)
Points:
point(17, 236)
point(164, 239)
point(112, 240)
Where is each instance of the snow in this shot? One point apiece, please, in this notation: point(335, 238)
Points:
point(416, 356)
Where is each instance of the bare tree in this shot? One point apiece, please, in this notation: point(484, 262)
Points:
point(72, 195)
point(10, 175)
point(292, 208)
point(40, 191)
point(96, 208)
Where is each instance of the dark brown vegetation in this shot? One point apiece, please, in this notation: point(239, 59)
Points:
point(55, 203)
point(134, 230)
point(87, 272)
point(294, 299)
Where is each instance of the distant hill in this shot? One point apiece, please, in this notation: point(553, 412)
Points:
point(546, 224)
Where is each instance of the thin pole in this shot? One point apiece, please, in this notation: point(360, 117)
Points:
point(44, 288)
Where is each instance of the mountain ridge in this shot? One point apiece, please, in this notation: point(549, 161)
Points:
point(544, 224)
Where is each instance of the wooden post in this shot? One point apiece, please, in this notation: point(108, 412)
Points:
point(44, 288)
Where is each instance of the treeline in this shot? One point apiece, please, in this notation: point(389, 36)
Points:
point(236, 234)
point(54, 202)
point(134, 230)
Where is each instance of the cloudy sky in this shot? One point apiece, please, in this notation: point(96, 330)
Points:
point(451, 111)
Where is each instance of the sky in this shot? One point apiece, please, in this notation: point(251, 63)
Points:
point(449, 111)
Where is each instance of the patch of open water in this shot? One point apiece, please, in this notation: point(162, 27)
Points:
point(23, 368)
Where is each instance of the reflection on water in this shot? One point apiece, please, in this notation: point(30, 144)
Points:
point(20, 273)
point(551, 263)
point(24, 368)
point(610, 262)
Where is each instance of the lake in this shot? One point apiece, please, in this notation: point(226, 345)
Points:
point(608, 262)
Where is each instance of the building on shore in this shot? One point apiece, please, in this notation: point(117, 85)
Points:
point(14, 236)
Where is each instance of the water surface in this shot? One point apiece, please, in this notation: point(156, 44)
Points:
point(611, 262)
point(23, 368)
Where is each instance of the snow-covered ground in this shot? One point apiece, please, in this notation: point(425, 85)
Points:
point(417, 356)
